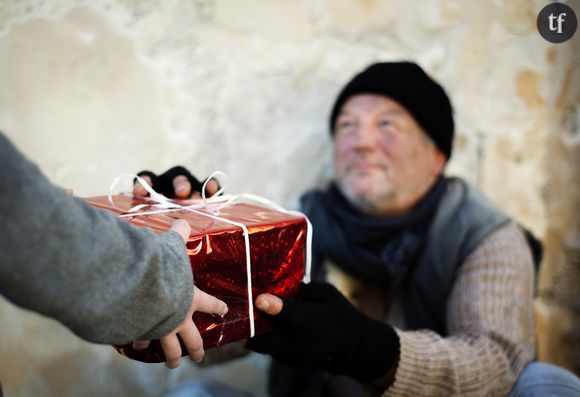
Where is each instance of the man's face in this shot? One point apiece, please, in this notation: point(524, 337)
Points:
point(384, 162)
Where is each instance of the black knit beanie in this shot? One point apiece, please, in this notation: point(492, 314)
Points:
point(408, 84)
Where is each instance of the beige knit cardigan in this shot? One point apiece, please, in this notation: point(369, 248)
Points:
point(489, 320)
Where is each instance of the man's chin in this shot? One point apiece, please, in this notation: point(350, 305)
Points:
point(365, 188)
point(364, 196)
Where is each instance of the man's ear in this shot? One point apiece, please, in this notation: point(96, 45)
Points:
point(439, 161)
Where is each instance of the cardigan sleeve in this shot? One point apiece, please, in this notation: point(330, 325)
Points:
point(490, 323)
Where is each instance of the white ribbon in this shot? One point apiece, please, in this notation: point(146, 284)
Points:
point(214, 204)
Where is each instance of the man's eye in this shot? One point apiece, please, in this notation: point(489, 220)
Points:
point(345, 124)
point(385, 123)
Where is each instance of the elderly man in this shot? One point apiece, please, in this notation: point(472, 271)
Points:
point(438, 282)
point(450, 274)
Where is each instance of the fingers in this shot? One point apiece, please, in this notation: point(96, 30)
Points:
point(181, 186)
point(182, 228)
point(192, 340)
point(172, 350)
point(141, 344)
point(138, 189)
point(178, 182)
point(269, 304)
point(212, 187)
point(206, 303)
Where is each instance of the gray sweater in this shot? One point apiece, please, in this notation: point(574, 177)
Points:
point(108, 281)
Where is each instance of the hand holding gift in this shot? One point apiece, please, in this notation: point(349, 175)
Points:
point(187, 331)
point(327, 332)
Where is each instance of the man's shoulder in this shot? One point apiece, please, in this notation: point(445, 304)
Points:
point(463, 195)
point(464, 218)
point(484, 217)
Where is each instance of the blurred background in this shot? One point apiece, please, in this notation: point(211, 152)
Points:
point(94, 89)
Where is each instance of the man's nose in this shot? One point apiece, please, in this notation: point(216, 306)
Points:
point(366, 137)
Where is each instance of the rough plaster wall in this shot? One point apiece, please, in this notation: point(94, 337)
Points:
point(559, 310)
point(95, 89)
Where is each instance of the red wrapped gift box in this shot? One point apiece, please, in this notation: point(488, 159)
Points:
point(218, 260)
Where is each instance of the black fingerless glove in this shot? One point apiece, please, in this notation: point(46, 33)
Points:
point(164, 183)
point(325, 331)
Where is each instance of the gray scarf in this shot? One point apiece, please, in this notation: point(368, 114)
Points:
point(372, 249)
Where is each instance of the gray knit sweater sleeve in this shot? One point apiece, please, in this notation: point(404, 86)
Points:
point(108, 281)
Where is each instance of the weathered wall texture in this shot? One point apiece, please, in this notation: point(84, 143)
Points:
point(94, 89)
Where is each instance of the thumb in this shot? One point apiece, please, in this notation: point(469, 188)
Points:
point(269, 304)
point(182, 228)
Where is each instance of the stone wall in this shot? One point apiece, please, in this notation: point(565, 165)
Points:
point(94, 89)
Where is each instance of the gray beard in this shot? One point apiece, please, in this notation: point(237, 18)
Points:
point(366, 205)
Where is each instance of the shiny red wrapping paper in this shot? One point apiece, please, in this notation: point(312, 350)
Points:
point(217, 254)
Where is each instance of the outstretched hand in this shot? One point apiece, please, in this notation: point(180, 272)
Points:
point(187, 330)
point(177, 182)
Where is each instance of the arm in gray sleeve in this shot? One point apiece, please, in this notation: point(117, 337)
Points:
point(105, 279)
